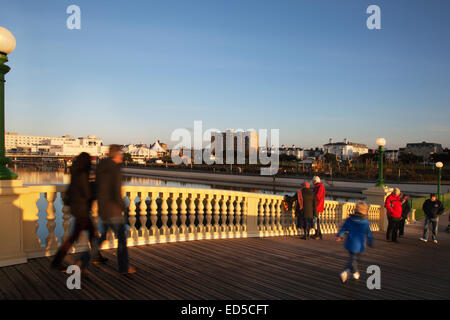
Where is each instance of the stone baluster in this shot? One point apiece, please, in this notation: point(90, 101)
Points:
point(223, 213)
point(273, 214)
point(231, 214)
point(183, 213)
point(209, 199)
point(279, 225)
point(260, 214)
point(238, 214)
point(174, 213)
point(133, 233)
point(164, 214)
point(66, 221)
point(191, 200)
point(51, 242)
point(154, 214)
point(216, 213)
point(143, 215)
point(244, 214)
point(201, 213)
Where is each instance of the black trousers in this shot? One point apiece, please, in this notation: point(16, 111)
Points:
point(393, 228)
point(401, 227)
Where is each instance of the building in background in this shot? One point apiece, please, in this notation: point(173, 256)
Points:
point(54, 146)
point(345, 150)
point(423, 149)
point(243, 143)
point(292, 151)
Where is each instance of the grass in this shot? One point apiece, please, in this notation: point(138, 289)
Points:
point(418, 202)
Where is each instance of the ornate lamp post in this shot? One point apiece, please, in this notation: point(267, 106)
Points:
point(7, 45)
point(381, 142)
point(439, 165)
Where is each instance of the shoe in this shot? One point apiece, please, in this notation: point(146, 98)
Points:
point(344, 275)
point(356, 276)
point(423, 239)
point(100, 260)
point(435, 241)
point(130, 270)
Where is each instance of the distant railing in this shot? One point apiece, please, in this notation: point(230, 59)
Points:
point(169, 214)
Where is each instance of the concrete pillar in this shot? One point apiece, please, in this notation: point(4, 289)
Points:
point(11, 217)
point(377, 196)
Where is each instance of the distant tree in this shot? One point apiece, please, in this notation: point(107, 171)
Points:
point(409, 158)
point(442, 157)
point(127, 158)
point(286, 157)
point(367, 156)
point(330, 158)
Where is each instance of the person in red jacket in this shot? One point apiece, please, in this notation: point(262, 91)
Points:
point(393, 207)
point(319, 195)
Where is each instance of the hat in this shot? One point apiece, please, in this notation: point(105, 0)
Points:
point(306, 184)
point(361, 207)
point(316, 179)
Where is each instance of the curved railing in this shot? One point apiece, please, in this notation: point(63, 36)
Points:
point(169, 214)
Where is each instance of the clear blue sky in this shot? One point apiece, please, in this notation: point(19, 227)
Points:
point(137, 70)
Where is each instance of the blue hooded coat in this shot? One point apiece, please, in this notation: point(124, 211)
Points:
point(357, 228)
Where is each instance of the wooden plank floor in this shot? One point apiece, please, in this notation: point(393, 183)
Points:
point(254, 268)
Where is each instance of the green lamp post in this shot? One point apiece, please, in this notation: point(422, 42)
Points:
point(439, 165)
point(7, 45)
point(381, 142)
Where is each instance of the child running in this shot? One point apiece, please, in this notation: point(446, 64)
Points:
point(357, 228)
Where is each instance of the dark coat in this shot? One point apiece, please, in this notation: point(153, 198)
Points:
point(357, 228)
point(309, 209)
point(109, 184)
point(432, 209)
point(80, 195)
point(406, 208)
point(309, 204)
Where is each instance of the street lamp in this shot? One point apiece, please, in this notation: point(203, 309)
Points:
point(381, 142)
point(439, 165)
point(7, 45)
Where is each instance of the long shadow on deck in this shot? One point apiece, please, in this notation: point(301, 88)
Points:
point(254, 268)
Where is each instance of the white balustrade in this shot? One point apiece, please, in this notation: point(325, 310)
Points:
point(193, 214)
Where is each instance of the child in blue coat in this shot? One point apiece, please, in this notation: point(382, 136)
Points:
point(357, 228)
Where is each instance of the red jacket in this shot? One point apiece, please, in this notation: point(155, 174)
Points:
point(393, 206)
point(319, 193)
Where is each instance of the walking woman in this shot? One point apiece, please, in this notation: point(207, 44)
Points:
point(79, 197)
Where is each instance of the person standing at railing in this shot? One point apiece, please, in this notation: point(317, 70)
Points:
point(319, 195)
point(406, 208)
point(79, 197)
point(111, 204)
point(357, 228)
point(432, 208)
point(305, 209)
point(393, 207)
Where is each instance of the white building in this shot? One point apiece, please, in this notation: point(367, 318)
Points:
point(242, 141)
point(345, 150)
point(58, 146)
point(292, 151)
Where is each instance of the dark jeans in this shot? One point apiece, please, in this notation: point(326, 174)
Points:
point(305, 224)
point(122, 251)
point(401, 227)
point(392, 229)
point(81, 224)
point(434, 229)
point(317, 233)
point(353, 261)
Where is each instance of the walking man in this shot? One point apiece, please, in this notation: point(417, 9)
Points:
point(319, 195)
point(393, 206)
point(433, 208)
point(111, 205)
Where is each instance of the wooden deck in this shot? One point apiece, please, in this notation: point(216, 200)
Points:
point(254, 268)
